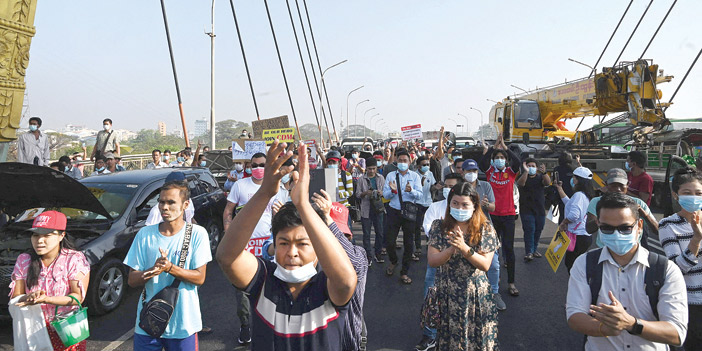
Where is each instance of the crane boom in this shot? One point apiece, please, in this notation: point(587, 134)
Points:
point(629, 88)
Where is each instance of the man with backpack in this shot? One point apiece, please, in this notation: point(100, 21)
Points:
point(623, 297)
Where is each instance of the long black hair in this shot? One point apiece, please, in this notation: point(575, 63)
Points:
point(35, 262)
point(587, 186)
point(475, 223)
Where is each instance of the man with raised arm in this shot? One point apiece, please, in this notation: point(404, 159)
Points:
point(297, 308)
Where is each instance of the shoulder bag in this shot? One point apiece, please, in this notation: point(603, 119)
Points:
point(156, 313)
point(409, 209)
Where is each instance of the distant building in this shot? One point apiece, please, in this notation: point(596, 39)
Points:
point(202, 126)
point(162, 128)
point(177, 132)
point(72, 128)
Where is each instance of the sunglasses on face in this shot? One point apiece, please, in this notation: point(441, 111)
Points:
point(624, 228)
point(258, 165)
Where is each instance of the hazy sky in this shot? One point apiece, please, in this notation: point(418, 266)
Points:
point(420, 61)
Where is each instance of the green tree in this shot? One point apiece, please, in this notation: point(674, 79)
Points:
point(225, 131)
point(148, 140)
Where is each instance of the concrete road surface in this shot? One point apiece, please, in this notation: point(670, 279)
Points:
point(533, 321)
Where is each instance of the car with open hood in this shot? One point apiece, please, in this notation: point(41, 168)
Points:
point(104, 214)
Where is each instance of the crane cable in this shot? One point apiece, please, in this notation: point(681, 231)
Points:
point(246, 64)
point(610, 38)
point(657, 29)
point(632, 33)
point(282, 68)
point(683, 80)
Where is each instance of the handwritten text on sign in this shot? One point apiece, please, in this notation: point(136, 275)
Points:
point(284, 135)
point(412, 132)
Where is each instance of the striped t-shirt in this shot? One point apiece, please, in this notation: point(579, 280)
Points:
point(345, 188)
point(675, 234)
point(309, 322)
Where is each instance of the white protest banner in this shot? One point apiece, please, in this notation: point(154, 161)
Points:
point(412, 132)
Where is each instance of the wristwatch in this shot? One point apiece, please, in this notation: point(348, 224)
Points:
point(471, 251)
point(637, 329)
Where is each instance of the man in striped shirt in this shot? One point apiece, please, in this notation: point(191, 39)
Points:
point(345, 181)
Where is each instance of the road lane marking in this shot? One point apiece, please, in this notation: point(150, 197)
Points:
point(117, 343)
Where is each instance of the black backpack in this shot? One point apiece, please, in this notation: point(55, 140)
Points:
point(654, 278)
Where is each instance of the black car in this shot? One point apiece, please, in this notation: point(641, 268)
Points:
point(104, 214)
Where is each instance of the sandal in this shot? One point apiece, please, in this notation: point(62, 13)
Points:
point(537, 254)
point(383, 252)
point(390, 270)
point(405, 280)
point(415, 257)
point(529, 258)
point(205, 330)
point(513, 291)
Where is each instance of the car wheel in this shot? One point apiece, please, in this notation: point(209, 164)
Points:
point(107, 287)
point(214, 232)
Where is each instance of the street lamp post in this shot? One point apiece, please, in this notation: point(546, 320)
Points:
point(364, 120)
point(466, 126)
point(482, 137)
point(322, 106)
point(376, 124)
point(347, 109)
point(370, 123)
point(454, 121)
point(355, 113)
point(211, 34)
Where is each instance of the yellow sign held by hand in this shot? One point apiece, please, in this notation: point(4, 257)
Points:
point(557, 249)
point(284, 135)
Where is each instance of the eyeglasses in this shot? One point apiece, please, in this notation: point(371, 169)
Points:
point(258, 165)
point(624, 228)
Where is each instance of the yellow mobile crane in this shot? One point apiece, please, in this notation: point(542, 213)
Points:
point(539, 116)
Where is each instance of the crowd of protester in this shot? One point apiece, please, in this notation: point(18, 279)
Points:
point(278, 235)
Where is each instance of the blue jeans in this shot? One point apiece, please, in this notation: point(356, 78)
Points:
point(429, 279)
point(493, 274)
point(149, 343)
point(533, 225)
point(376, 221)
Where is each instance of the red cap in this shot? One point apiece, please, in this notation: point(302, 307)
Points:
point(48, 222)
point(340, 215)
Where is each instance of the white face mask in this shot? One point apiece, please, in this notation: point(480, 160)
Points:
point(238, 167)
point(299, 275)
point(471, 176)
point(106, 127)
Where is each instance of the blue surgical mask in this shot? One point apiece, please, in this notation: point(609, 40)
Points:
point(572, 183)
point(627, 166)
point(402, 166)
point(180, 159)
point(333, 166)
point(285, 179)
point(461, 215)
point(446, 192)
point(100, 169)
point(248, 171)
point(532, 170)
point(690, 203)
point(355, 156)
point(619, 243)
point(166, 158)
point(33, 127)
point(424, 169)
point(499, 163)
point(203, 163)
point(66, 168)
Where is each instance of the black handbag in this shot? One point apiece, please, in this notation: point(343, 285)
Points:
point(156, 313)
point(409, 209)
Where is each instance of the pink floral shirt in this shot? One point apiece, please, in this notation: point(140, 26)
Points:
point(54, 279)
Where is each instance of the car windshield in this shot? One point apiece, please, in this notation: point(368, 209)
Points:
point(114, 198)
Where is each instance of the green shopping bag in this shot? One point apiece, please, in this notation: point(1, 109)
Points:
point(71, 327)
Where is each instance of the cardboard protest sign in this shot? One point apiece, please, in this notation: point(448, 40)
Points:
point(557, 249)
point(269, 123)
point(284, 135)
point(244, 149)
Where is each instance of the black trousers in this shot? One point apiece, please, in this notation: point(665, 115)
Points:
point(418, 227)
point(693, 341)
point(582, 244)
point(395, 222)
point(504, 226)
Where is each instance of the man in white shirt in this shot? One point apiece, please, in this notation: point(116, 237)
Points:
point(428, 184)
point(33, 146)
point(100, 166)
point(622, 318)
point(156, 157)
